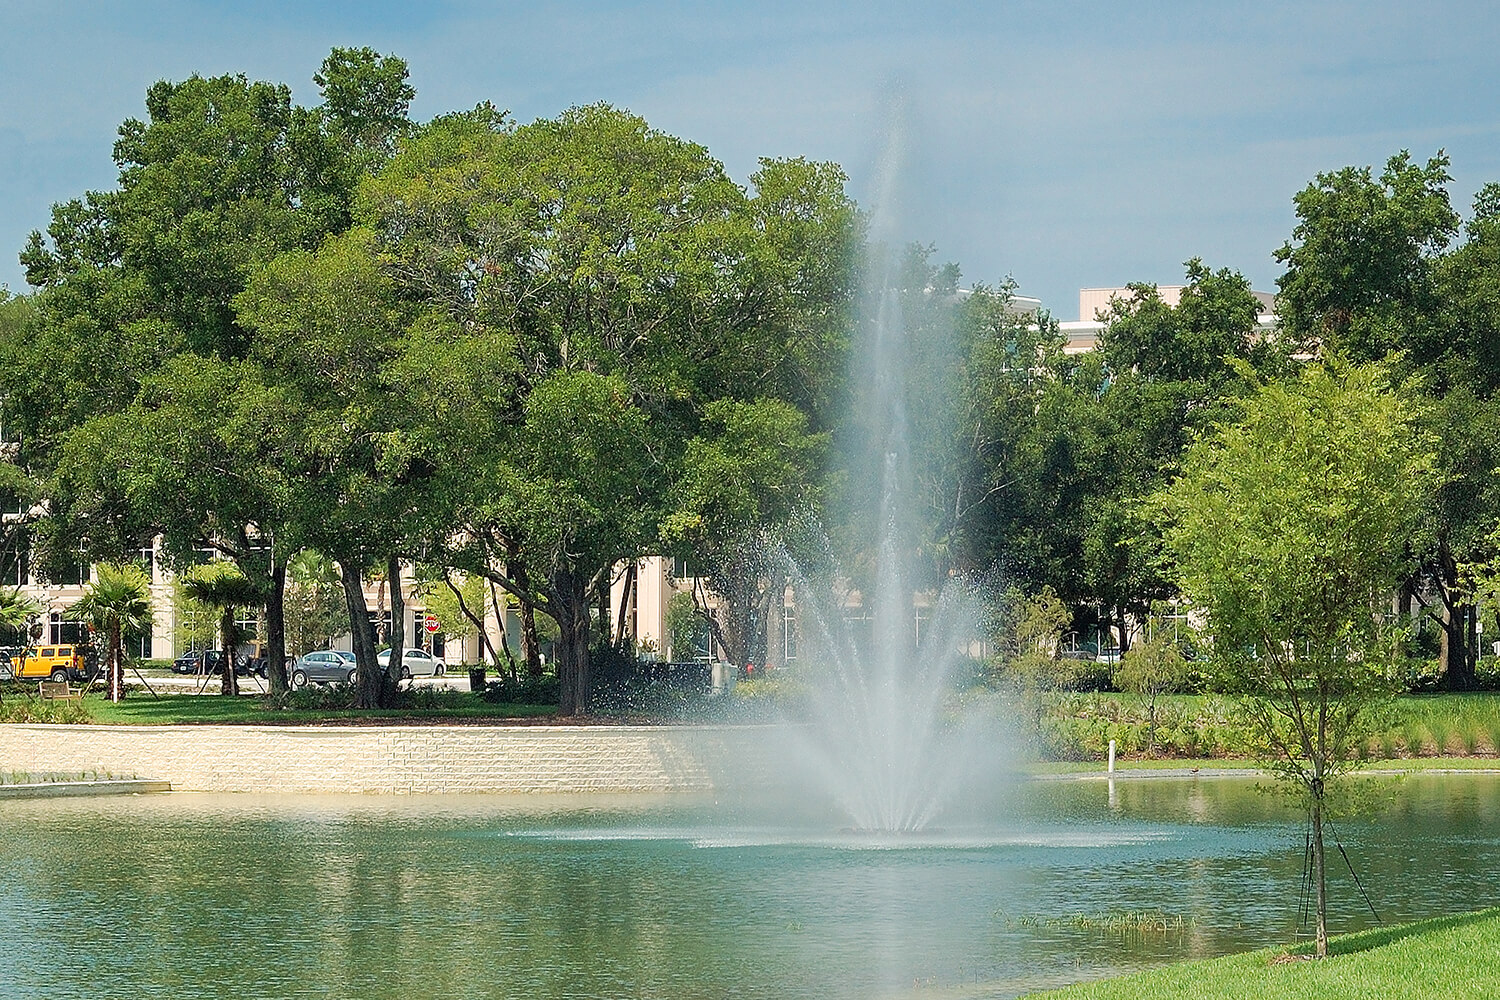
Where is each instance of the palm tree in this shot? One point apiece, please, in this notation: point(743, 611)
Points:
point(117, 601)
point(17, 610)
point(222, 586)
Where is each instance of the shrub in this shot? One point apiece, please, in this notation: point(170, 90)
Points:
point(317, 698)
point(55, 712)
point(523, 690)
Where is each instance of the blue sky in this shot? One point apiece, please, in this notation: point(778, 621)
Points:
point(1067, 144)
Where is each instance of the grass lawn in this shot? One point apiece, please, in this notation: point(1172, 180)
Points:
point(1417, 727)
point(170, 709)
point(1125, 767)
point(1439, 959)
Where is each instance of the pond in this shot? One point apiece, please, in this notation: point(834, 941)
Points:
point(186, 895)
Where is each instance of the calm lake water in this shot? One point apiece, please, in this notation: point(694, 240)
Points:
point(186, 895)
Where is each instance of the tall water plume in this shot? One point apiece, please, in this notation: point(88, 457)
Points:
point(887, 741)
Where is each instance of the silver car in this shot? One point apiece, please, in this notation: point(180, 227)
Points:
point(414, 662)
point(323, 667)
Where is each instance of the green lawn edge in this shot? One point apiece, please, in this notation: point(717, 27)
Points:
point(1390, 765)
point(1436, 959)
point(187, 709)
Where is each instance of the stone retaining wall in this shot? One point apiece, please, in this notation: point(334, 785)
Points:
point(393, 759)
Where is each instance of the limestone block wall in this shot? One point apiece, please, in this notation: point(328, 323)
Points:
point(393, 759)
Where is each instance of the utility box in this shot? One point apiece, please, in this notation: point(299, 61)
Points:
point(721, 677)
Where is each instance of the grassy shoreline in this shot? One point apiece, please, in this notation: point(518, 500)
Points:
point(1435, 959)
point(1196, 732)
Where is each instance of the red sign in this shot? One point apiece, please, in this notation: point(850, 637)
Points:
point(430, 623)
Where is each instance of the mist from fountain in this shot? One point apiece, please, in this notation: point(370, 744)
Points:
point(890, 742)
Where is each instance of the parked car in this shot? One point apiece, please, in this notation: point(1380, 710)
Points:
point(7, 669)
point(414, 662)
point(57, 663)
point(191, 662)
point(206, 661)
point(326, 666)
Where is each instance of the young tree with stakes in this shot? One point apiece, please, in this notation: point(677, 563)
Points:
point(1291, 529)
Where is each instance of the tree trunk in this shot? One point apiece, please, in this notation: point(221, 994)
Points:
point(1456, 646)
point(1455, 660)
point(1120, 620)
point(1319, 883)
point(499, 610)
point(602, 596)
point(229, 683)
point(367, 674)
point(381, 634)
point(398, 632)
point(623, 625)
point(572, 601)
point(531, 650)
point(486, 648)
point(116, 668)
point(531, 647)
point(276, 671)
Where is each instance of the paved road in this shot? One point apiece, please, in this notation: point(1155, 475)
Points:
point(164, 681)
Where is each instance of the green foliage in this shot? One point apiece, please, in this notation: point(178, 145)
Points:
point(21, 709)
point(444, 603)
point(523, 690)
point(1152, 667)
point(197, 623)
point(1290, 529)
point(613, 282)
point(16, 608)
point(1359, 275)
point(313, 602)
point(1030, 662)
point(682, 624)
point(1081, 726)
point(118, 597)
point(366, 97)
point(745, 478)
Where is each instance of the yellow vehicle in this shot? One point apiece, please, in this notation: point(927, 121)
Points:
point(56, 663)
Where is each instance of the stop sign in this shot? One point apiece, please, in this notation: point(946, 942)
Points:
point(430, 623)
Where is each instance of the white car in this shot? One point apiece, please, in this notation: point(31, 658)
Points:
point(414, 662)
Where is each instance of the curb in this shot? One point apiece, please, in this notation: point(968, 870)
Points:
point(79, 789)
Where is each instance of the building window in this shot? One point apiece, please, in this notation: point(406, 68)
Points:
point(15, 561)
point(62, 630)
point(247, 623)
point(74, 572)
point(859, 624)
point(145, 558)
point(789, 632)
point(683, 570)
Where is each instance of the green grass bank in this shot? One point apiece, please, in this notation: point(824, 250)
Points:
point(1080, 726)
point(1440, 959)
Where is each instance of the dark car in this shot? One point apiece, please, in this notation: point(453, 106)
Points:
point(206, 661)
point(197, 661)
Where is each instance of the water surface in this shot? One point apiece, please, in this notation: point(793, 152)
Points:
point(188, 895)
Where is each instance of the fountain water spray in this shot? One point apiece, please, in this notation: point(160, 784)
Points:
point(887, 742)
